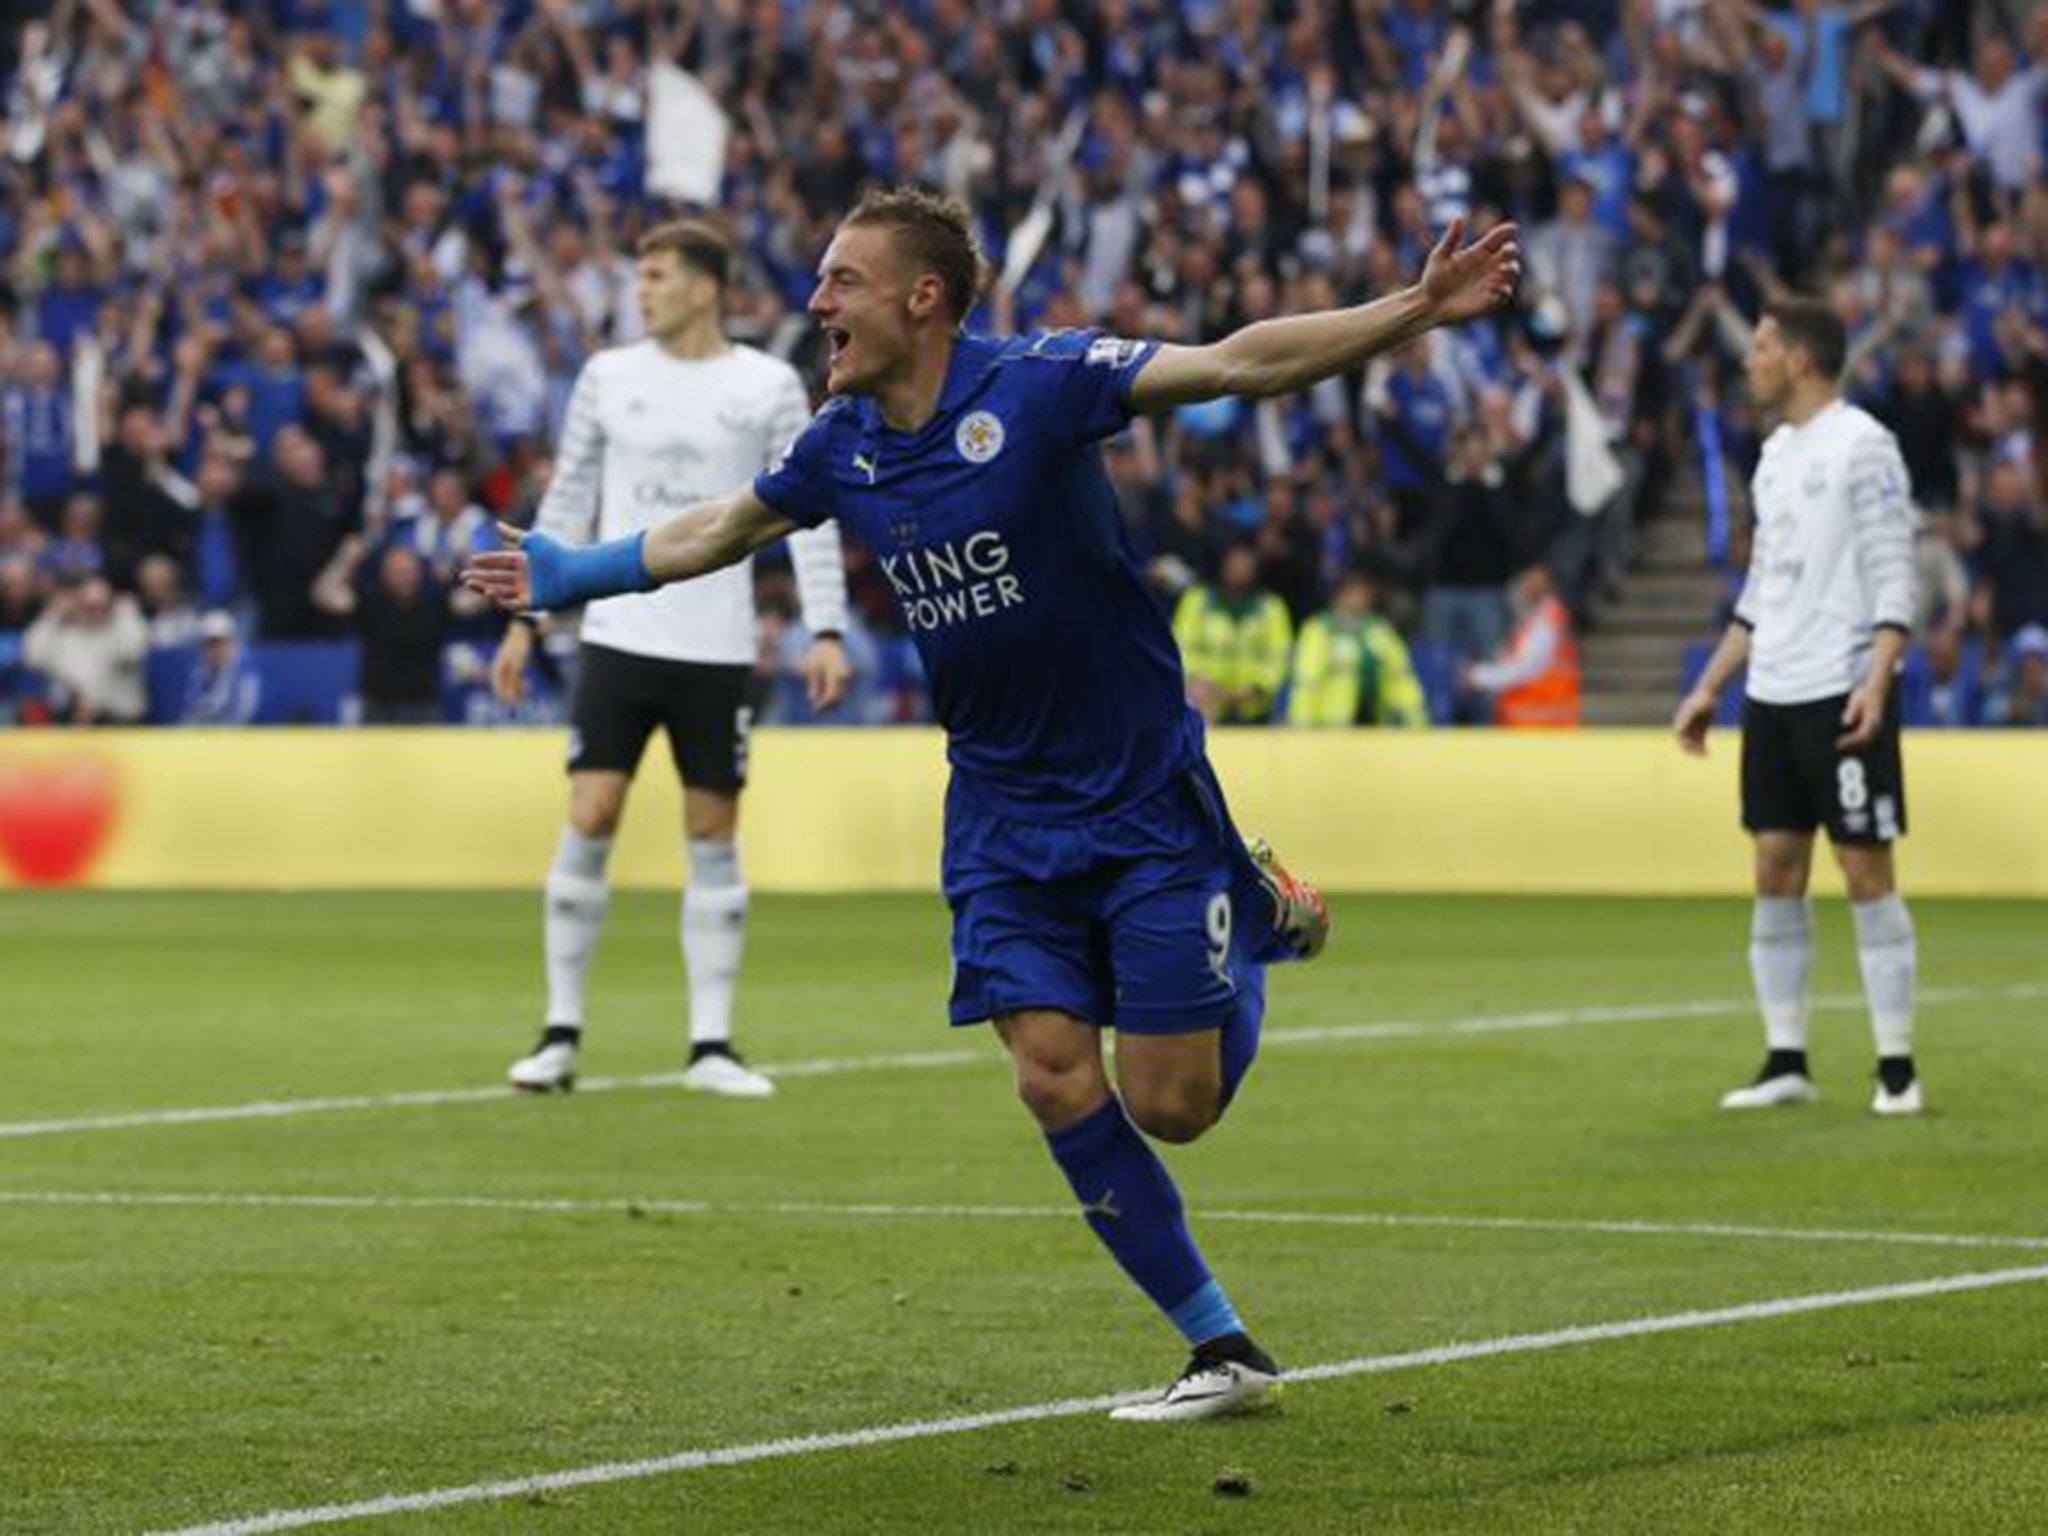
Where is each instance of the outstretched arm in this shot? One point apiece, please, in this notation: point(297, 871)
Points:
point(711, 536)
point(1927, 84)
point(1277, 357)
point(540, 572)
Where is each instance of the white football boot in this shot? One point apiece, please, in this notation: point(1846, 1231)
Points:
point(1211, 1386)
point(1299, 911)
point(549, 1068)
point(1772, 1092)
point(1907, 1101)
point(722, 1072)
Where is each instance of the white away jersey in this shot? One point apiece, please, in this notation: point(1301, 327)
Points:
point(1833, 555)
point(648, 434)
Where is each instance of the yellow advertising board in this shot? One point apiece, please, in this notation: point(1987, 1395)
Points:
point(1591, 812)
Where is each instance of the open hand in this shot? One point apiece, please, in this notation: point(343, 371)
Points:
point(1462, 282)
point(503, 575)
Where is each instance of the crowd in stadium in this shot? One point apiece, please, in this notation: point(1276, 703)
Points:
point(294, 294)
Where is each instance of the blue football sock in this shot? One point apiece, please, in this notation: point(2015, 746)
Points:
point(1130, 1201)
point(1240, 1035)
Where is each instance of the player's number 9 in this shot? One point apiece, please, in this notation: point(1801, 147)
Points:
point(1217, 920)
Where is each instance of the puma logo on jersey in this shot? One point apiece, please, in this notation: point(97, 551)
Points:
point(865, 463)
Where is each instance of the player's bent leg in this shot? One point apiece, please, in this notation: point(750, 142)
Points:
point(577, 898)
point(1887, 951)
point(1189, 943)
point(1171, 1084)
point(713, 933)
point(1131, 1203)
point(1057, 1062)
point(1240, 1037)
point(1780, 959)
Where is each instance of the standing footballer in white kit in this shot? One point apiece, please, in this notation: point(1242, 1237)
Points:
point(651, 428)
point(1823, 621)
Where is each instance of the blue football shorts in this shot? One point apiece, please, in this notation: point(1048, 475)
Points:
point(1134, 922)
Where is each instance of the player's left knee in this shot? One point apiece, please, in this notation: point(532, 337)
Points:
point(1176, 1117)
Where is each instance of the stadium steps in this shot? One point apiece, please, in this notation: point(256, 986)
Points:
point(1622, 708)
point(1633, 659)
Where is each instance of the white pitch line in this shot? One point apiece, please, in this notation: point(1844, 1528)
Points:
point(1629, 1228)
point(907, 1061)
point(1675, 1322)
point(256, 1200)
point(925, 1429)
point(273, 1109)
point(870, 1210)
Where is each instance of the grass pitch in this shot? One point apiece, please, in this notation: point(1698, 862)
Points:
point(1512, 1103)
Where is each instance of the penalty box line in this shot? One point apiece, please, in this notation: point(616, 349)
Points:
point(913, 1061)
point(925, 1429)
point(888, 1211)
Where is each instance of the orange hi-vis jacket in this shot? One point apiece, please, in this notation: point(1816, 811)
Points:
point(1550, 699)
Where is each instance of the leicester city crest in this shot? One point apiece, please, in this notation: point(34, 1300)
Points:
point(979, 437)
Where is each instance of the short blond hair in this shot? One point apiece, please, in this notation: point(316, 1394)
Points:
point(936, 232)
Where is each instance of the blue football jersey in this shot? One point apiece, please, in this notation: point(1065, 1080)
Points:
point(1051, 666)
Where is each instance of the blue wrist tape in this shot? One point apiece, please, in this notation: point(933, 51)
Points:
point(565, 575)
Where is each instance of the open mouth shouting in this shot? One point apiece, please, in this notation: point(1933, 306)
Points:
point(839, 340)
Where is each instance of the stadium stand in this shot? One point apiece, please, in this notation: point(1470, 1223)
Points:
point(288, 284)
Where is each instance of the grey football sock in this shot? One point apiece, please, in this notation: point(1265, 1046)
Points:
point(1888, 952)
point(1780, 956)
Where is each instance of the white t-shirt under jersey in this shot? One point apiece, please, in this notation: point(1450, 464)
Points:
point(1833, 555)
point(648, 434)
